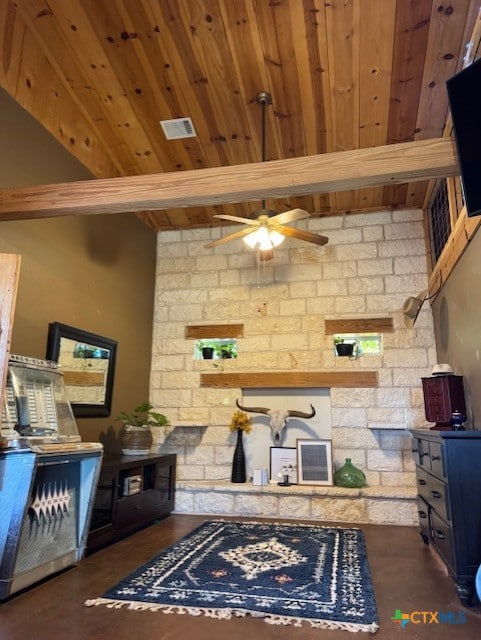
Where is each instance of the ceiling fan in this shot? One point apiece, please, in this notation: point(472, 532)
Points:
point(265, 228)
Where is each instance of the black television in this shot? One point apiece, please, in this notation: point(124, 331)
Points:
point(464, 93)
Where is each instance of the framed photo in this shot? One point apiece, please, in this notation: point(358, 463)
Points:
point(283, 462)
point(314, 462)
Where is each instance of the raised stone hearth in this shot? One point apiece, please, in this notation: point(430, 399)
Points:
point(376, 504)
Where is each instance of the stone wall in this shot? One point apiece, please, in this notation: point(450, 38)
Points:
point(370, 265)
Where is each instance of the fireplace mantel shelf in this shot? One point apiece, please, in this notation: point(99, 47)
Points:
point(289, 379)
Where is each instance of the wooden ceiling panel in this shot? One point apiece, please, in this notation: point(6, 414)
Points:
point(443, 59)
point(348, 74)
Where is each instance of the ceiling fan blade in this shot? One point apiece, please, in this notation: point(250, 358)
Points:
point(289, 216)
point(232, 236)
point(307, 236)
point(254, 223)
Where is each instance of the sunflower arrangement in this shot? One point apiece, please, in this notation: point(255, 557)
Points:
point(240, 421)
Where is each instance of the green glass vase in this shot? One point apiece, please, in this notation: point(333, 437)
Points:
point(349, 476)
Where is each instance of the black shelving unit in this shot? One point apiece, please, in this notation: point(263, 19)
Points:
point(132, 492)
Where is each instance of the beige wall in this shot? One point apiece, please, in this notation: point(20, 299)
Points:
point(94, 273)
point(457, 322)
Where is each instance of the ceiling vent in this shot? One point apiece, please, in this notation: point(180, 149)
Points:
point(178, 128)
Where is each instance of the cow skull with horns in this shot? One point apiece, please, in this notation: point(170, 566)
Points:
point(278, 418)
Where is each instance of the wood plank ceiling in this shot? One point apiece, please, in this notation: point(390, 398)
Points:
point(343, 75)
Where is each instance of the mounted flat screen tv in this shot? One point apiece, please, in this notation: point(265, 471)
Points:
point(464, 92)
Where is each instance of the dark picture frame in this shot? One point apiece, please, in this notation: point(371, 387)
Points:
point(87, 361)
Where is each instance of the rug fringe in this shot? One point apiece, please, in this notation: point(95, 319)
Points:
point(226, 614)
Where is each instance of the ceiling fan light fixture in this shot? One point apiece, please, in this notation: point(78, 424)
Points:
point(276, 238)
point(264, 239)
point(251, 240)
point(265, 228)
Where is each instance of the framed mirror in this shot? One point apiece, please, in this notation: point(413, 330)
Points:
point(88, 364)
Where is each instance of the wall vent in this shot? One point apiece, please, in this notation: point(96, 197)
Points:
point(178, 128)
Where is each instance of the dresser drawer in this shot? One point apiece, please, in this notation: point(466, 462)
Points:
point(437, 410)
point(436, 459)
point(434, 492)
point(441, 538)
point(423, 515)
point(420, 451)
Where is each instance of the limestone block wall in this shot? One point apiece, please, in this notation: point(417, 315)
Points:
point(370, 265)
point(375, 505)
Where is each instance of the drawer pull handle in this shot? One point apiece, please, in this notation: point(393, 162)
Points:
point(422, 482)
point(436, 494)
point(435, 458)
point(439, 534)
point(423, 514)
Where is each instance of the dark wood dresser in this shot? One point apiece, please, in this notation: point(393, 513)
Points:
point(132, 492)
point(448, 471)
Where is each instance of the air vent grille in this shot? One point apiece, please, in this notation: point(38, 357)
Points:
point(178, 128)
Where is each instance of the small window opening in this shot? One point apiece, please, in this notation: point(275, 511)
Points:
point(355, 345)
point(215, 349)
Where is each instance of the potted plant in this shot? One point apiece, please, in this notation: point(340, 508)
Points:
point(343, 348)
point(135, 435)
point(207, 349)
point(228, 350)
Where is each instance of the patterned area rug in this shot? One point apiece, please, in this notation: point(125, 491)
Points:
point(284, 573)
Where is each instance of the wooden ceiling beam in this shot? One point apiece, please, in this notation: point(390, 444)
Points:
point(329, 172)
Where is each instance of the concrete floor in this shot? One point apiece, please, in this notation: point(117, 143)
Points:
point(406, 574)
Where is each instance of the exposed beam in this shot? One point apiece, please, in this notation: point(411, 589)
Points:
point(340, 171)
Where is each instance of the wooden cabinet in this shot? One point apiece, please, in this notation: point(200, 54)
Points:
point(442, 396)
point(449, 501)
point(133, 491)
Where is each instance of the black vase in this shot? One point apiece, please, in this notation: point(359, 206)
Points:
point(239, 460)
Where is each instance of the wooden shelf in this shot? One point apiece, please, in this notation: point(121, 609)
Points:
point(359, 325)
point(199, 331)
point(290, 379)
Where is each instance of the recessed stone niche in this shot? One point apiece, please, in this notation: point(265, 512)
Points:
point(258, 442)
